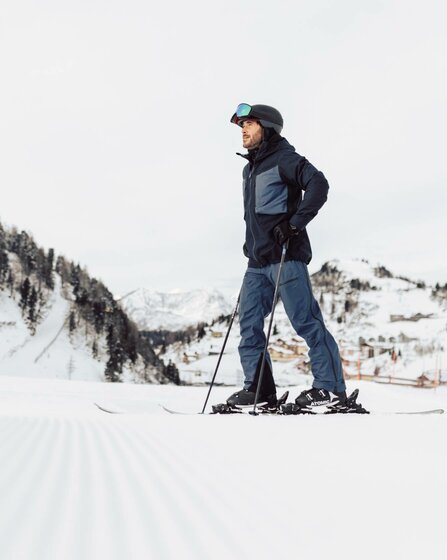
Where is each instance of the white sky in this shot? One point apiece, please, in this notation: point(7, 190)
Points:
point(116, 147)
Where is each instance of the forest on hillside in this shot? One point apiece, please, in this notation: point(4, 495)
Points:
point(27, 273)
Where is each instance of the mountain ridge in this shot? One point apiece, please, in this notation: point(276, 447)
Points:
point(58, 321)
point(176, 309)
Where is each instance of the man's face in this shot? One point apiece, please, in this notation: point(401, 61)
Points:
point(251, 134)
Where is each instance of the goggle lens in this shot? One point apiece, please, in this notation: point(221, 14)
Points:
point(243, 110)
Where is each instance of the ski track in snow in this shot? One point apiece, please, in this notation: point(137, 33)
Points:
point(71, 486)
point(79, 484)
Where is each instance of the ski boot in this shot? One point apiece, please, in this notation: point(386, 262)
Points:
point(311, 398)
point(244, 399)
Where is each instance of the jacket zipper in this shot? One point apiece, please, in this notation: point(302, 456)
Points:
point(253, 194)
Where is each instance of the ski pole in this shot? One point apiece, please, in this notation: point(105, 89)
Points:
point(222, 351)
point(264, 354)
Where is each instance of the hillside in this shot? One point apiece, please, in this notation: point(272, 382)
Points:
point(386, 325)
point(56, 321)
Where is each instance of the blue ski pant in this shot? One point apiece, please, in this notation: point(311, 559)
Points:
point(304, 314)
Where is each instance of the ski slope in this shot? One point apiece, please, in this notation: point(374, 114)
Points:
point(51, 351)
point(79, 484)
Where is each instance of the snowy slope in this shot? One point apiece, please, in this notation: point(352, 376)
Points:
point(174, 310)
point(373, 317)
point(50, 352)
point(76, 483)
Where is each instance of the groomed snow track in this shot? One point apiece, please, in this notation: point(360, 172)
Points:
point(78, 484)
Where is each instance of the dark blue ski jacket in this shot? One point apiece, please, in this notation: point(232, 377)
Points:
point(279, 185)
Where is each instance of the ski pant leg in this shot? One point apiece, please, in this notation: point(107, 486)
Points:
point(256, 303)
point(305, 315)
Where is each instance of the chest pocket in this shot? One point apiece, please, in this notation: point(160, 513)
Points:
point(271, 193)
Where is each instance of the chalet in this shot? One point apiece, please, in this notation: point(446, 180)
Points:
point(281, 354)
point(414, 318)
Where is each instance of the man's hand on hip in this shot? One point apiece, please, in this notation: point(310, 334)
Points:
point(284, 231)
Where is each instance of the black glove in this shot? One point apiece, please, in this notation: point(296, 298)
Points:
point(283, 231)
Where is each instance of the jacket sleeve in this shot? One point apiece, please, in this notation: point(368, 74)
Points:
point(299, 172)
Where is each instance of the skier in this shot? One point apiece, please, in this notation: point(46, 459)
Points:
point(282, 193)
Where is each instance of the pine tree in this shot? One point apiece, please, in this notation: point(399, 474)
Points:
point(4, 260)
point(172, 373)
point(75, 280)
point(201, 332)
point(10, 282)
point(62, 268)
point(95, 349)
point(32, 301)
point(114, 364)
point(49, 263)
point(24, 292)
point(72, 322)
point(25, 248)
point(99, 315)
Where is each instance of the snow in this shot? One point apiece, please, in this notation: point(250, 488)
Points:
point(76, 483)
point(50, 352)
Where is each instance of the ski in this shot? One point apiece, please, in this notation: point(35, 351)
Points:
point(282, 408)
point(307, 412)
point(288, 409)
point(433, 411)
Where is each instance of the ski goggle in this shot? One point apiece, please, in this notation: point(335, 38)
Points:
point(242, 110)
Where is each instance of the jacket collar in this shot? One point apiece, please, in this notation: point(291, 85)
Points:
point(275, 143)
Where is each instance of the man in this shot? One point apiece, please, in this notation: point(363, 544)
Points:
point(282, 192)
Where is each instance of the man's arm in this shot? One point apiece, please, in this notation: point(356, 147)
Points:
point(298, 171)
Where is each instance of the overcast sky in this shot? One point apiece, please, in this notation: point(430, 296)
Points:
point(116, 147)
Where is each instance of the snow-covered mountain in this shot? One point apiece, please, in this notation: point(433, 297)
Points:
point(57, 321)
point(385, 324)
point(174, 310)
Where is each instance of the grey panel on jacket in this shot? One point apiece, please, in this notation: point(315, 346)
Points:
point(271, 193)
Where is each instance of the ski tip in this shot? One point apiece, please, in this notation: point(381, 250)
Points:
point(108, 410)
point(166, 409)
point(170, 411)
